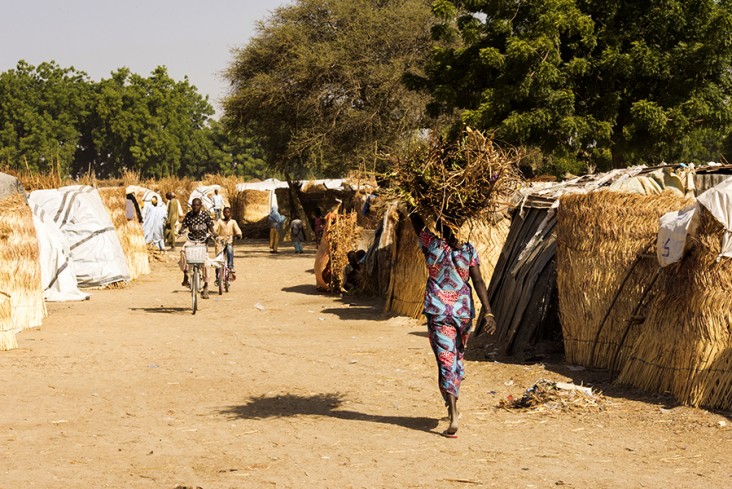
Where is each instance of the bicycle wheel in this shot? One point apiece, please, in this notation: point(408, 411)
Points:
point(194, 289)
point(222, 276)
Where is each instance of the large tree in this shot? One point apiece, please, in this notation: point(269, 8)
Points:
point(153, 125)
point(320, 84)
point(608, 82)
point(41, 111)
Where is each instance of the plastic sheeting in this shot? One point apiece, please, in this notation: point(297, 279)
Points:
point(88, 232)
point(718, 201)
point(9, 185)
point(57, 269)
point(204, 192)
point(673, 229)
point(269, 184)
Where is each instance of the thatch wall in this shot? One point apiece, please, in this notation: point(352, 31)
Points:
point(685, 344)
point(600, 236)
point(20, 271)
point(130, 233)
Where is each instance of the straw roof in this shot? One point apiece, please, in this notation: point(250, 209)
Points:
point(21, 291)
point(129, 233)
point(685, 344)
point(599, 238)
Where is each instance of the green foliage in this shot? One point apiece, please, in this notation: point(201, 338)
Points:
point(56, 119)
point(41, 110)
point(589, 82)
point(320, 84)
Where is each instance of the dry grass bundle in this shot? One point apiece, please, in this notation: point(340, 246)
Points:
point(251, 206)
point(343, 236)
point(685, 344)
point(599, 237)
point(457, 181)
point(409, 275)
point(20, 271)
point(130, 233)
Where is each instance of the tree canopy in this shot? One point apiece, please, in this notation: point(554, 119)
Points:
point(320, 84)
point(608, 82)
point(57, 119)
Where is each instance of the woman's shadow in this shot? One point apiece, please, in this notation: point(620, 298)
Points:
point(319, 405)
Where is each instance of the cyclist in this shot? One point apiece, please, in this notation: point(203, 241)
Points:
point(199, 224)
point(227, 229)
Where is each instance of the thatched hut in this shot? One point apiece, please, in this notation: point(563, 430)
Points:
point(605, 263)
point(21, 292)
point(684, 344)
point(130, 233)
point(523, 290)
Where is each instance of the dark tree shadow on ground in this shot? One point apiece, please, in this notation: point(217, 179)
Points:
point(319, 405)
point(360, 309)
point(307, 289)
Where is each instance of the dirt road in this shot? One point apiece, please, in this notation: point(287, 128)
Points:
point(276, 385)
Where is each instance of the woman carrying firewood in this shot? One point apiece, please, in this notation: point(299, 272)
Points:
point(448, 306)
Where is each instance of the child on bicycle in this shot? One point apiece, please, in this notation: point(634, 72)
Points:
point(227, 229)
point(199, 224)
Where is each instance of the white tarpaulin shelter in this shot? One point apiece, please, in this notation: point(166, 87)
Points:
point(57, 270)
point(718, 201)
point(95, 249)
point(675, 227)
point(142, 194)
point(204, 192)
point(269, 184)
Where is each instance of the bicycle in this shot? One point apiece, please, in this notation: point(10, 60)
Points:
point(196, 255)
point(224, 277)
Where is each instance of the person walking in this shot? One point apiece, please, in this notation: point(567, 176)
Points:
point(298, 234)
point(276, 221)
point(217, 202)
point(198, 223)
point(449, 308)
point(153, 222)
point(175, 212)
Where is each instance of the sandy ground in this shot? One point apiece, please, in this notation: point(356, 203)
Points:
point(276, 385)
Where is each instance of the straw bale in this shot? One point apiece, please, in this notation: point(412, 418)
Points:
point(409, 276)
point(251, 206)
point(685, 344)
point(130, 233)
point(20, 270)
point(599, 237)
point(343, 236)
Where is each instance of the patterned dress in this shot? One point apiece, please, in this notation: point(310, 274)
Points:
point(448, 306)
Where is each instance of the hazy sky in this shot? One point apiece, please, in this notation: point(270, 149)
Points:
point(191, 38)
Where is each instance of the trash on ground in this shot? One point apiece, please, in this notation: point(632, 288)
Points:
point(559, 396)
